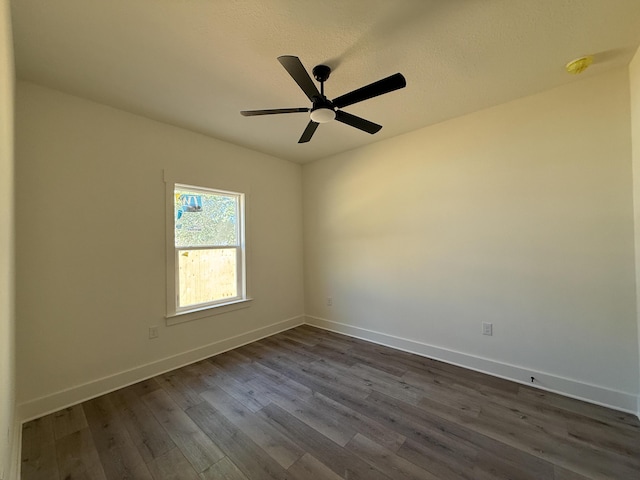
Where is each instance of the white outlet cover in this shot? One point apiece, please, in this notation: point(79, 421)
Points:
point(487, 328)
point(153, 332)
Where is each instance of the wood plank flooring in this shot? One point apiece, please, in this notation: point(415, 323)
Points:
point(311, 404)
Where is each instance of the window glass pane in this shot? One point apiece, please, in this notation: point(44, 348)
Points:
point(205, 219)
point(207, 275)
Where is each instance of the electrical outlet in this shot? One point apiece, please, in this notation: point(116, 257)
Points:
point(487, 328)
point(329, 302)
point(153, 332)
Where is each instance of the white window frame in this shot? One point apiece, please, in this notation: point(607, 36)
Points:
point(176, 314)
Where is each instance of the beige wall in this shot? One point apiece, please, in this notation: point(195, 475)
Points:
point(634, 77)
point(520, 215)
point(90, 229)
point(8, 427)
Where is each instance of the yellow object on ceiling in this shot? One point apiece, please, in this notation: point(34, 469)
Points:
point(579, 65)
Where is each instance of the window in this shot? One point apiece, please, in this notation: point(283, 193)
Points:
point(208, 248)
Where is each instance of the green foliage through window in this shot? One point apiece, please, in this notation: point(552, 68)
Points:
point(205, 218)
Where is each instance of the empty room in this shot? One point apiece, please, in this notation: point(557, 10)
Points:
point(286, 239)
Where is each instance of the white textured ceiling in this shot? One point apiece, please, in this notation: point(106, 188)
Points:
point(197, 63)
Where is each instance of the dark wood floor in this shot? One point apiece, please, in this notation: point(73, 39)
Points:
point(309, 404)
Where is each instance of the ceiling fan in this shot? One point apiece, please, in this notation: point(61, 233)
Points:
point(324, 110)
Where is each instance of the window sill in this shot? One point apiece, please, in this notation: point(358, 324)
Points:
point(209, 311)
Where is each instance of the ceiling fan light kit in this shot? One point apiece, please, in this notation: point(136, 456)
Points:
point(323, 109)
point(323, 115)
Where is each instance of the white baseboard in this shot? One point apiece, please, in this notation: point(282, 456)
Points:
point(598, 395)
point(618, 400)
point(51, 403)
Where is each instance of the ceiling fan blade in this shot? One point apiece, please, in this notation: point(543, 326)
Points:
point(360, 123)
point(308, 132)
point(252, 113)
point(386, 85)
point(294, 66)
